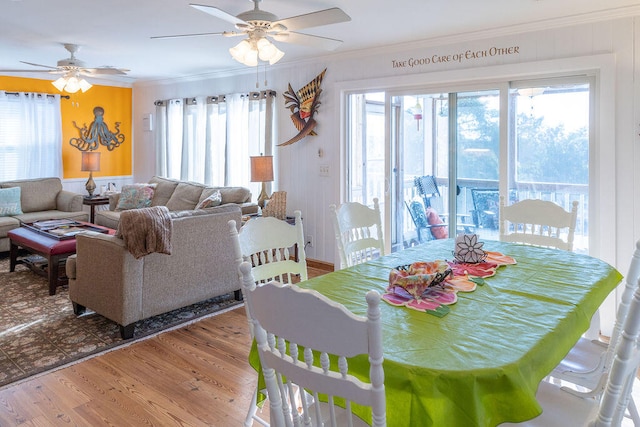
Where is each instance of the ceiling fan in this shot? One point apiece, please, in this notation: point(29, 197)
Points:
point(72, 69)
point(72, 64)
point(258, 25)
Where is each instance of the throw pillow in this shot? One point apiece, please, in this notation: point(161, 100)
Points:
point(164, 190)
point(185, 196)
point(434, 219)
point(10, 201)
point(214, 199)
point(135, 196)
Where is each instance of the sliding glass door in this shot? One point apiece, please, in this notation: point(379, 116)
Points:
point(439, 161)
point(448, 149)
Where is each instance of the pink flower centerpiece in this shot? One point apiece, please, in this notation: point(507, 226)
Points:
point(421, 286)
point(433, 285)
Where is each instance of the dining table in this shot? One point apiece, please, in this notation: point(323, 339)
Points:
point(479, 364)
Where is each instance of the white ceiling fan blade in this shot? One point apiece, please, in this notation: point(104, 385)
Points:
point(39, 65)
point(314, 19)
point(189, 35)
point(307, 40)
point(234, 33)
point(104, 70)
point(54, 71)
point(218, 13)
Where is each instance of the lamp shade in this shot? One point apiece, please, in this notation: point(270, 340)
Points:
point(90, 161)
point(261, 168)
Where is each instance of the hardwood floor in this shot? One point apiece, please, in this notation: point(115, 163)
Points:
point(194, 376)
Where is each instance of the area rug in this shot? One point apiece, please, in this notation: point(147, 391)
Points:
point(39, 332)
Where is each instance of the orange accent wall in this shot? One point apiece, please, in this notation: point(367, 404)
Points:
point(117, 104)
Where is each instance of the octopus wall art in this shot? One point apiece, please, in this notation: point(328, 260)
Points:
point(97, 134)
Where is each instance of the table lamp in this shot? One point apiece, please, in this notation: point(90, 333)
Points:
point(90, 163)
point(262, 171)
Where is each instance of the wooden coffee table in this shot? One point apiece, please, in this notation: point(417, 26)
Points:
point(53, 250)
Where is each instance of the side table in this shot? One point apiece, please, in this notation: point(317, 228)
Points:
point(93, 202)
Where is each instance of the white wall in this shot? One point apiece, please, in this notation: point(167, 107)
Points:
point(611, 43)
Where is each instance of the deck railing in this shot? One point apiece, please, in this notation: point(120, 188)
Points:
point(559, 193)
point(562, 194)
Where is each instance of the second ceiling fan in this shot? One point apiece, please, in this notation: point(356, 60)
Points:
point(259, 25)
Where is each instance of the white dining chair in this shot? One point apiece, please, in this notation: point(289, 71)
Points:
point(538, 222)
point(266, 243)
point(561, 409)
point(588, 363)
point(287, 319)
point(358, 230)
point(271, 245)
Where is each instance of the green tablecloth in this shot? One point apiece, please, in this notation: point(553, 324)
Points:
point(480, 365)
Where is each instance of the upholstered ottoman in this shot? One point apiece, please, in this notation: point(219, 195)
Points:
point(55, 251)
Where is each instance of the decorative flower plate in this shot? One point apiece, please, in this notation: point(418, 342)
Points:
point(433, 285)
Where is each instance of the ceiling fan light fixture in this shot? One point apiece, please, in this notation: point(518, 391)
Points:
point(239, 50)
point(266, 49)
point(248, 51)
point(245, 53)
point(251, 58)
point(276, 57)
point(85, 85)
point(60, 83)
point(71, 84)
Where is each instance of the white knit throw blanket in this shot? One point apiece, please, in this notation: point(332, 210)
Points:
point(146, 230)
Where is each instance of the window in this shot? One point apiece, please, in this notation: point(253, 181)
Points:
point(30, 136)
point(210, 139)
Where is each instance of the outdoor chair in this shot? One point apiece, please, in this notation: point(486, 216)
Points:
point(425, 230)
point(538, 222)
point(485, 208)
point(358, 231)
point(287, 320)
point(427, 189)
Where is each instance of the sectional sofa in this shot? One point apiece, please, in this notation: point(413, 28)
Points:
point(179, 196)
point(40, 199)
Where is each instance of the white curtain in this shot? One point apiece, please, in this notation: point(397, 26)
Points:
point(238, 135)
point(215, 152)
point(210, 139)
point(193, 140)
point(169, 138)
point(30, 135)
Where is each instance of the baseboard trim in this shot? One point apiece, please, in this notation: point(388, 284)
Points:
point(320, 265)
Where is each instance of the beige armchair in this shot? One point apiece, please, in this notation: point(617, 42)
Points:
point(106, 278)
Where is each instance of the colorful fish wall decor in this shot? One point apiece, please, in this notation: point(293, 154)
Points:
point(303, 104)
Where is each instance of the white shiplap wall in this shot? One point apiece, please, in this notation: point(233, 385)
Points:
point(298, 164)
